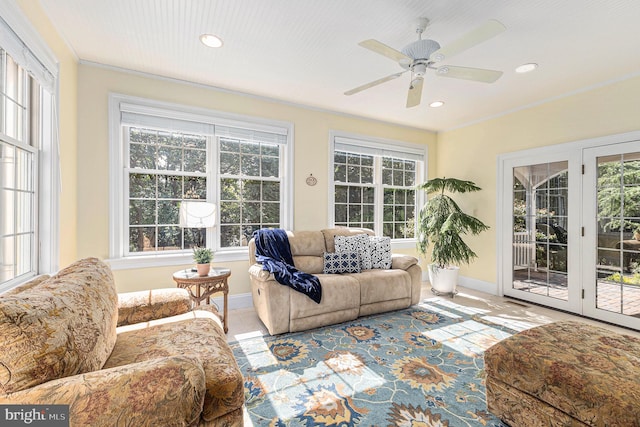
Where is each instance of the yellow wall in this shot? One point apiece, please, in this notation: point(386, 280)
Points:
point(471, 152)
point(311, 139)
point(68, 79)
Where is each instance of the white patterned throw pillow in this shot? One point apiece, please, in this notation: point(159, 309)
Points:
point(358, 243)
point(380, 252)
point(341, 262)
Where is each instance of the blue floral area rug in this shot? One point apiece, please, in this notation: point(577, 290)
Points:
point(422, 366)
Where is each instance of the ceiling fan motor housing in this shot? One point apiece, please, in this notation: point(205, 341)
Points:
point(420, 51)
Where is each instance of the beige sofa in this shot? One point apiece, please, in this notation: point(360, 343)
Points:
point(138, 359)
point(344, 296)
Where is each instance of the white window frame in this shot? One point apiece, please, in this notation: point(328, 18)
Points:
point(26, 46)
point(385, 145)
point(118, 194)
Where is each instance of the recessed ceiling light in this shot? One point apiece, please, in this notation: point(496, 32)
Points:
point(211, 40)
point(525, 68)
point(436, 104)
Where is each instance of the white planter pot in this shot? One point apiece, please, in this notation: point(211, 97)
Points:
point(443, 280)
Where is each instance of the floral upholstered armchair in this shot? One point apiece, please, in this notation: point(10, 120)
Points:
point(142, 359)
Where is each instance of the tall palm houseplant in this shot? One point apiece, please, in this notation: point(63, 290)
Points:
point(441, 224)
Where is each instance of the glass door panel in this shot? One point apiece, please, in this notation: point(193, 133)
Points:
point(540, 223)
point(618, 238)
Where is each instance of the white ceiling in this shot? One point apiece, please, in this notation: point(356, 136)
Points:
point(306, 51)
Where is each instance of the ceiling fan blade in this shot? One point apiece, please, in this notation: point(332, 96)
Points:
point(484, 32)
point(383, 49)
point(415, 92)
point(475, 74)
point(373, 83)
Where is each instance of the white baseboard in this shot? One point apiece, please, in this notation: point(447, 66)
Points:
point(236, 301)
point(471, 283)
point(478, 285)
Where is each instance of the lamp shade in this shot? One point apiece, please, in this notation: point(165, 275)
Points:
point(197, 214)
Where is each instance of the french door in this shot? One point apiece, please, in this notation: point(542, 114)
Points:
point(612, 233)
point(540, 218)
point(570, 229)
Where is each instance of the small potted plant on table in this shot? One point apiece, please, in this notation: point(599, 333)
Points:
point(203, 258)
point(441, 223)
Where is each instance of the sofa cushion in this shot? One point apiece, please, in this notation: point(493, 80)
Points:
point(309, 243)
point(309, 264)
point(380, 248)
point(196, 334)
point(330, 234)
point(358, 243)
point(339, 292)
point(63, 326)
point(387, 285)
point(341, 262)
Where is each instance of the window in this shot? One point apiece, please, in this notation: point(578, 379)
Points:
point(374, 185)
point(249, 189)
point(164, 169)
point(28, 197)
point(168, 154)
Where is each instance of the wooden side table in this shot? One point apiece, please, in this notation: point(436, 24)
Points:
point(201, 288)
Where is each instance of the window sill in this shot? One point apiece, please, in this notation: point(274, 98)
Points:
point(403, 244)
point(149, 261)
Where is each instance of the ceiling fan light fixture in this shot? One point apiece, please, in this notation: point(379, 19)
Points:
point(436, 104)
point(211, 40)
point(526, 68)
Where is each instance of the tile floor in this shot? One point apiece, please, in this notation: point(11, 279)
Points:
point(516, 314)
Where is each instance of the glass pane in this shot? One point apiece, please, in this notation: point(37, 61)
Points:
point(251, 213)
point(250, 165)
point(142, 212)
point(271, 213)
point(341, 213)
point(251, 190)
point(142, 239)
point(230, 163)
point(142, 185)
point(230, 213)
point(270, 167)
point(169, 187)
point(195, 188)
point(169, 238)
point(230, 236)
point(271, 191)
point(229, 189)
point(195, 161)
point(540, 213)
point(341, 194)
point(618, 219)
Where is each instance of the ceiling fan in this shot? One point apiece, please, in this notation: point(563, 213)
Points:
point(421, 55)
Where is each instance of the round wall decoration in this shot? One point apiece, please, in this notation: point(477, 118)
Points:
point(311, 180)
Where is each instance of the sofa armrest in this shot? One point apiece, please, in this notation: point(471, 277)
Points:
point(402, 262)
point(143, 306)
point(256, 272)
point(163, 391)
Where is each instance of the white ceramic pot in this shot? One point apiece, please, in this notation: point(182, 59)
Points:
point(443, 280)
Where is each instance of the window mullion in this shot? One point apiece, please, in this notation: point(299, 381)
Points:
point(213, 187)
point(379, 194)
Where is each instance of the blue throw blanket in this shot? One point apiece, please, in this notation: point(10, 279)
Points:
point(274, 253)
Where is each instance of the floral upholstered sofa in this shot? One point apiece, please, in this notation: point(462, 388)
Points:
point(138, 359)
point(382, 285)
